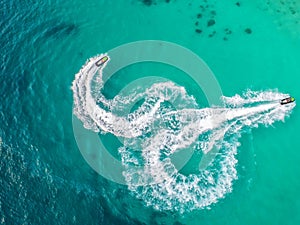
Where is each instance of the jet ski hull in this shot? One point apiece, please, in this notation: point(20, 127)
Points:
point(101, 61)
point(287, 100)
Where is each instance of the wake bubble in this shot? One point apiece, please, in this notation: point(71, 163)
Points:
point(154, 132)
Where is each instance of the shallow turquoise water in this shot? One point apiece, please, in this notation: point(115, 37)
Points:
point(44, 44)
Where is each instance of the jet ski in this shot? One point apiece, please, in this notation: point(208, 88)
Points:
point(287, 100)
point(101, 61)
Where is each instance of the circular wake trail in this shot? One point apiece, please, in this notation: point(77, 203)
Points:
point(153, 133)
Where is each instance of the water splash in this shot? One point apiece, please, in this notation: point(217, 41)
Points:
point(153, 133)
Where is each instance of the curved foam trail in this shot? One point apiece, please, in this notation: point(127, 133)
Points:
point(153, 132)
point(98, 119)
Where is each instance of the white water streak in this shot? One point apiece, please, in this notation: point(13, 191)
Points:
point(150, 173)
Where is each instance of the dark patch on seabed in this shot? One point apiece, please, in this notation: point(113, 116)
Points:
point(154, 2)
point(60, 29)
point(206, 18)
point(178, 223)
point(248, 31)
point(284, 8)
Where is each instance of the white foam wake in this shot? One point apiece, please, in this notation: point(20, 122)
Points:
point(153, 132)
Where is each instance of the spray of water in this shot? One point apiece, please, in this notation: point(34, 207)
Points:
point(153, 133)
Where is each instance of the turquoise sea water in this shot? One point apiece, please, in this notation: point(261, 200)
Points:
point(45, 180)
